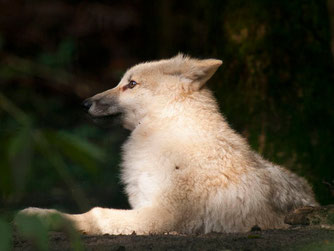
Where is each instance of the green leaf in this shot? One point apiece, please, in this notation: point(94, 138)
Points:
point(60, 58)
point(20, 141)
point(32, 228)
point(65, 52)
point(44, 145)
point(6, 183)
point(5, 236)
point(20, 153)
point(35, 228)
point(85, 146)
point(77, 149)
point(57, 221)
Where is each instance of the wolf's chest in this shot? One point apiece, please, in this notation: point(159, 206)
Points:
point(145, 172)
point(141, 184)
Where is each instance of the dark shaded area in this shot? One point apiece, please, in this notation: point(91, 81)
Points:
point(275, 87)
point(296, 239)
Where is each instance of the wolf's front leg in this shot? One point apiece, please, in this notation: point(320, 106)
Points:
point(112, 221)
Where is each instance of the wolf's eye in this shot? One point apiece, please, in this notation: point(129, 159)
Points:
point(132, 84)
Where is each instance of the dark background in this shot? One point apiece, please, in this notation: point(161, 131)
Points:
point(275, 87)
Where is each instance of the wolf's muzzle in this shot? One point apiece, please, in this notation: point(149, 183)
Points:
point(86, 104)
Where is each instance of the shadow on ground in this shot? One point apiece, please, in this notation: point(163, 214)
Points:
point(301, 238)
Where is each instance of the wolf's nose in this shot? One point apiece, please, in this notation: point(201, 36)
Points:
point(87, 103)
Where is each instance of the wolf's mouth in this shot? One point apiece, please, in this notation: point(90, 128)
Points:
point(106, 121)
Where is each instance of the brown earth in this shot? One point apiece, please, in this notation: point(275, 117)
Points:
point(302, 238)
point(312, 229)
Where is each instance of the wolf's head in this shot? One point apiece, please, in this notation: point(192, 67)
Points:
point(150, 86)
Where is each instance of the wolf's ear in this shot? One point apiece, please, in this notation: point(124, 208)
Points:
point(200, 71)
point(196, 72)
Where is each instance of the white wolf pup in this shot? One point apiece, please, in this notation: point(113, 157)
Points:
point(183, 167)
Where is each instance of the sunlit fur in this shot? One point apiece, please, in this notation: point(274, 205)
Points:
point(184, 168)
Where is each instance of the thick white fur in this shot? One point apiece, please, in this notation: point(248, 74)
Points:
point(184, 168)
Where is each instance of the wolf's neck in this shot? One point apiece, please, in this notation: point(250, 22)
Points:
point(196, 112)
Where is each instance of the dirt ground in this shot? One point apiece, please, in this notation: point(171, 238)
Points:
point(300, 238)
point(311, 228)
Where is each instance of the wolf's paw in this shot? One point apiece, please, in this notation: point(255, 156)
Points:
point(50, 218)
point(40, 212)
point(322, 216)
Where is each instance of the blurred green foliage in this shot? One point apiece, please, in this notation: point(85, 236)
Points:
point(36, 230)
point(5, 235)
point(33, 229)
point(22, 143)
point(61, 58)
